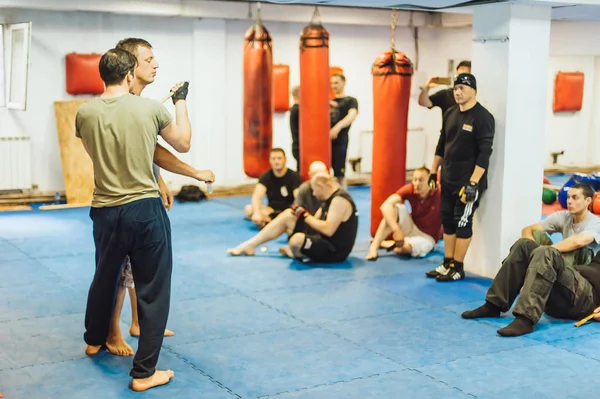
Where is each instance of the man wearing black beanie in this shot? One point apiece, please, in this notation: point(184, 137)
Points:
point(463, 151)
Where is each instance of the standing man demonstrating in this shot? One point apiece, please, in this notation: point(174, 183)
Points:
point(145, 73)
point(344, 112)
point(443, 98)
point(119, 131)
point(463, 151)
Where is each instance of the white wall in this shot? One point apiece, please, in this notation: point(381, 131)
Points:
point(571, 131)
point(594, 144)
point(54, 34)
point(208, 52)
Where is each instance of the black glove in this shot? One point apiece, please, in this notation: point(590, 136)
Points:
point(469, 193)
point(181, 93)
point(300, 212)
point(432, 181)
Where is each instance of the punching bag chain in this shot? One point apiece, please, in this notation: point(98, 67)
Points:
point(258, 19)
point(394, 24)
point(316, 17)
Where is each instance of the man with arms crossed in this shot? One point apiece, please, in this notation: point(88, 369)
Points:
point(553, 278)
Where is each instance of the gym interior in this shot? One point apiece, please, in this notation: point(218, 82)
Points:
point(266, 326)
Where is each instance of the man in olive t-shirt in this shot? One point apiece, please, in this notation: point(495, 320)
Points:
point(119, 132)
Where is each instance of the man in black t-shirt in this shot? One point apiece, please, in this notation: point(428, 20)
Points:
point(463, 151)
point(279, 184)
point(343, 112)
point(295, 126)
point(326, 237)
point(443, 98)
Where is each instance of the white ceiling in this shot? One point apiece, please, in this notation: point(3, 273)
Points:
point(400, 4)
point(579, 10)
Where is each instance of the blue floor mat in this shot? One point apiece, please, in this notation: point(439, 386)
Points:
point(270, 327)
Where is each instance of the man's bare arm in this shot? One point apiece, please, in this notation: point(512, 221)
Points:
point(337, 210)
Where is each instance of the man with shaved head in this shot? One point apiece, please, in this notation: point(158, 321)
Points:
point(326, 237)
point(305, 197)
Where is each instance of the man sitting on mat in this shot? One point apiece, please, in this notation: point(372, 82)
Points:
point(305, 197)
point(413, 234)
point(326, 237)
point(280, 184)
point(556, 278)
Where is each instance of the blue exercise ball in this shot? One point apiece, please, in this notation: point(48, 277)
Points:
point(563, 193)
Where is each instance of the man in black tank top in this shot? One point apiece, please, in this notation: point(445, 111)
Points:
point(326, 237)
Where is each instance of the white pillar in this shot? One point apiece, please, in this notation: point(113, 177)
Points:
point(511, 45)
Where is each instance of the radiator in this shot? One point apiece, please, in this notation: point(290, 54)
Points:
point(15, 163)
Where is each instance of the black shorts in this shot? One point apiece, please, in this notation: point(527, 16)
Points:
point(274, 214)
point(339, 149)
point(315, 247)
point(453, 211)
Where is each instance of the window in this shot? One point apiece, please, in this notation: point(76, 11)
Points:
point(2, 75)
point(18, 39)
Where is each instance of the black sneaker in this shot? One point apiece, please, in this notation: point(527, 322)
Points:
point(453, 274)
point(441, 269)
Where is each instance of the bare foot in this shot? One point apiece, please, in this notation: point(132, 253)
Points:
point(134, 331)
point(387, 244)
point(1, 396)
point(92, 349)
point(286, 251)
point(238, 251)
point(117, 346)
point(372, 255)
point(159, 378)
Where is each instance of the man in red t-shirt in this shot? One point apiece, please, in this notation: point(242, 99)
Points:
point(414, 233)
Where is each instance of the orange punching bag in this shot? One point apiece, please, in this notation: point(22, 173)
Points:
point(315, 144)
point(258, 99)
point(392, 75)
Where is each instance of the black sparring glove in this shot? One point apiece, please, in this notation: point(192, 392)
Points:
point(469, 193)
point(433, 181)
point(181, 93)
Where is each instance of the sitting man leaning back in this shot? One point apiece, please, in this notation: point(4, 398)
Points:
point(326, 237)
point(554, 278)
point(280, 185)
point(414, 233)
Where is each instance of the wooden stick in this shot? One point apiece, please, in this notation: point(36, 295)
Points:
point(165, 98)
point(61, 206)
point(552, 187)
point(583, 321)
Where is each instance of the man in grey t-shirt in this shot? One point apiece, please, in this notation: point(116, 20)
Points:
point(544, 273)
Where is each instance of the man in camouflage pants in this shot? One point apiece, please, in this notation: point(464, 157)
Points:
point(556, 278)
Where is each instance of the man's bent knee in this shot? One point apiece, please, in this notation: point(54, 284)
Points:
point(546, 252)
point(296, 242)
point(248, 211)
